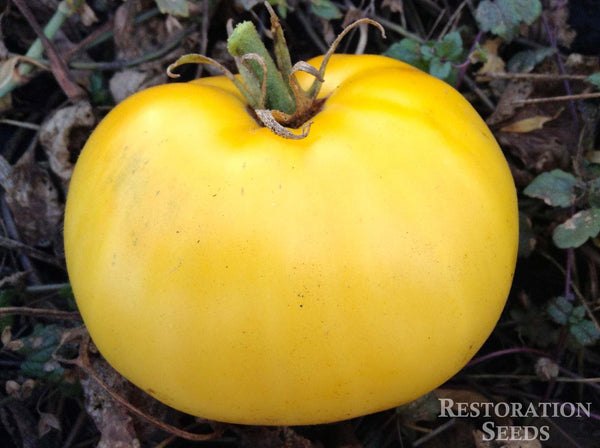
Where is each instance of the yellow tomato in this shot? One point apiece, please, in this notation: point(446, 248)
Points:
point(243, 277)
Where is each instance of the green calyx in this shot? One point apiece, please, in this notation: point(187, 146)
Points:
point(270, 87)
point(255, 72)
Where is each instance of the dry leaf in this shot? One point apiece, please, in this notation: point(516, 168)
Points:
point(540, 151)
point(14, 345)
point(111, 419)
point(593, 157)
point(16, 279)
point(87, 14)
point(172, 24)
point(123, 30)
point(19, 391)
point(546, 369)
point(12, 388)
point(46, 423)
point(32, 199)
point(125, 83)
point(516, 90)
point(493, 63)
point(6, 336)
point(64, 134)
point(529, 124)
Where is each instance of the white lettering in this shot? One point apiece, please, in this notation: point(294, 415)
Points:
point(488, 429)
point(531, 411)
point(544, 405)
point(506, 410)
point(474, 408)
point(567, 406)
point(502, 433)
point(488, 406)
point(516, 410)
point(586, 408)
point(446, 407)
point(463, 410)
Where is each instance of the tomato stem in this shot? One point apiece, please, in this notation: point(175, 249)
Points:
point(245, 41)
point(272, 89)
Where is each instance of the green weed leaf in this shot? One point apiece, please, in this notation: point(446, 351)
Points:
point(407, 50)
point(576, 230)
point(440, 69)
point(450, 47)
point(325, 9)
point(594, 187)
point(525, 61)
point(555, 188)
point(503, 17)
point(173, 7)
point(38, 348)
point(594, 79)
point(560, 310)
point(435, 58)
point(585, 332)
point(563, 312)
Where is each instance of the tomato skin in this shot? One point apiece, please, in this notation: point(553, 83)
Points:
point(243, 277)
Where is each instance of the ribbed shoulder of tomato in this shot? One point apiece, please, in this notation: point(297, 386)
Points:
point(344, 66)
point(218, 82)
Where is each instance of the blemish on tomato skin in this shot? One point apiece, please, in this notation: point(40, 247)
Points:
point(179, 263)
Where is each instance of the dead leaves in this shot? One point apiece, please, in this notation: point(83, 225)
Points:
point(32, 198)
point(29, 188)
point(63, 135)
point(541, 136)
point(111, 419)
point(529, 124)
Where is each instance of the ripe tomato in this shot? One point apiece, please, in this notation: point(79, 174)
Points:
point(243, 277)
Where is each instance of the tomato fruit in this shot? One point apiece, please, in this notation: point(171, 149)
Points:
point(243, 277)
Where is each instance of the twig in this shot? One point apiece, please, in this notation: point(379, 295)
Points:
point(580, 96)
point(39, 312)
point(43, 289)
point(105, 32)
point(560, 379)
point(13, 233)
point(396, 28)
point(440, 429)
point(322, 46)
point(81, 418)
point(89, 40)
point(11, 244)
point(453, 19)
point(482, 96)
point(508, 351)
point(21, 124)
point(532, 76)
point(73, 91)
point(465, 65)
point(573, 287)
point(83, 362)
point(119, 65)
